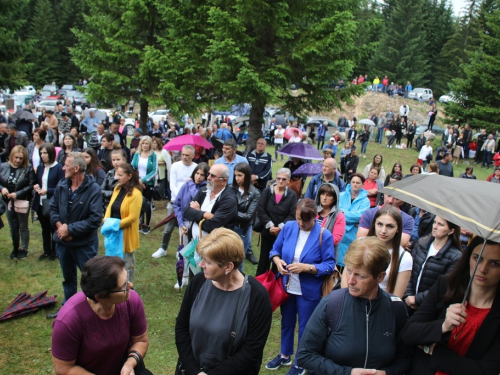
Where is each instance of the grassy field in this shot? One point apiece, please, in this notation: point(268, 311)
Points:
point(26, 342)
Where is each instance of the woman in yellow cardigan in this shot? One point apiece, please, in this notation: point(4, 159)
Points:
point(125, 204)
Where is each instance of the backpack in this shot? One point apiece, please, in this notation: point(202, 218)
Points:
point(336, 303)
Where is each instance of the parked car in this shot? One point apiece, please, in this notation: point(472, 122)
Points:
point(26, 90)
point(52, 88)
point(447, 98)
point(436, 129)
point(158, 114)
point(420, 94)
point(316, 121)
point(47, 104)
point(66, 88)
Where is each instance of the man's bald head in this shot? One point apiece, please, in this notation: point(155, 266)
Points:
point(329, 168)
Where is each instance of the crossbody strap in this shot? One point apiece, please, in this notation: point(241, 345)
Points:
point(236, 317)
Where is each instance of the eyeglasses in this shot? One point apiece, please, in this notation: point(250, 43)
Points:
point(124, 290)
point(281, 178)
point(214, 176)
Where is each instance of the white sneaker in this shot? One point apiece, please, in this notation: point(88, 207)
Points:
point(184, 283)
point(159, 253)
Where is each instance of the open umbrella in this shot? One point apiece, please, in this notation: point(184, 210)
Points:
point(179, 142)
point(164, 221)
point(309, 169)
point(23, 114)
point(301, 150)
point(366, 121)
point(289, 132)
point(438, 195)
point(99, 115)
point(25, 304)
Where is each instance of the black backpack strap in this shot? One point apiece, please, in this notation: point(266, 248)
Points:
point(236, 317)
point(399, 311)
point(334, 309)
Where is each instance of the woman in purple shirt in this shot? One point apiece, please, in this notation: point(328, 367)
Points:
point(100, 326)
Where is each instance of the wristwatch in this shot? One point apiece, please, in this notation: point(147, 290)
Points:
point(427, 349)
point(311, 268)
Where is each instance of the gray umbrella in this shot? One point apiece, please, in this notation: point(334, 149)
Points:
point(99, 115)
point(24, 115)
point(478, 211)
point(366, 121)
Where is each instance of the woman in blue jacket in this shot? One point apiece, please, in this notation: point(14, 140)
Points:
point(353, 203)
point(303, 254)
point(48, 175)
point(146, 164)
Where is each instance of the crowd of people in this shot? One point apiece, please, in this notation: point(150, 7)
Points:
point(393, 260)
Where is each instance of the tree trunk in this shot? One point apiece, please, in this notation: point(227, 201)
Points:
point(255, 124)
point(144, 115)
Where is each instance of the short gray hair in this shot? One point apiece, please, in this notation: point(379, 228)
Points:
point(231, 142)
point(188, 147)
point(78, 161)
point(285, 171)
point(224, 171)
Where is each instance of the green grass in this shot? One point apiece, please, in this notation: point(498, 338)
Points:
point(26, 342)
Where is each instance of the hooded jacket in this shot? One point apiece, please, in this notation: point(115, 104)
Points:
point(335, 221)
point(317, 181)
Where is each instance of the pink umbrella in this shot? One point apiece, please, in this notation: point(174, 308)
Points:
point(179, 142)
point(289, 133)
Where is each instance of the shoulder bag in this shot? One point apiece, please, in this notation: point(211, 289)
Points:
point(20, 206)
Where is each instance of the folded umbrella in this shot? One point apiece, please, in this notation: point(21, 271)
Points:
point(25, 304)
point(164, 221)
point(301, 150)
point(440, 195)
point(309, 169)
point(179, 142)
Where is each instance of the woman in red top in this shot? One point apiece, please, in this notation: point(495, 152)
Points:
point(460, 339)
point(372, 184)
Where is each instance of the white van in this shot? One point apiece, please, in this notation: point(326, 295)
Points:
point(420, 94)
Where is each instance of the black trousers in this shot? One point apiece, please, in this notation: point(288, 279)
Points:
point(49, 246)
point(266, 245)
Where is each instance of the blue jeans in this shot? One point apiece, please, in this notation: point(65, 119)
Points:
point(380, 135)
point(71, 257)
point(364, 145)
point(247, 241)
point(293, 307)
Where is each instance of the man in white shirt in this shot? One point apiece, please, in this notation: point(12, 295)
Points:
point(279, 134)
point(180, 172)
point(404, 110)
point(424, 151)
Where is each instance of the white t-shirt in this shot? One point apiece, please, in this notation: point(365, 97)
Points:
point(278, 132)
point(432, 252)
point(142, 167)
point(294, 286)
point(405, 264)
point(424, 151)
point(179, 174)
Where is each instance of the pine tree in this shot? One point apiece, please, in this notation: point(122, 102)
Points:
point(13, 49)
point(249, 51)
point(402, 49)
point(112, 49)
point(478, 93)
point(44, 57)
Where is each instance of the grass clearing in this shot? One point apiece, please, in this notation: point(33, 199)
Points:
point(26, 342)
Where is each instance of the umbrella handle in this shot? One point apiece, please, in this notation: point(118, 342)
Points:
point(473, 274)
point(200, 224)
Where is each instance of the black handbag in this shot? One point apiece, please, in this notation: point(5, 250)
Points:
point(46, 207)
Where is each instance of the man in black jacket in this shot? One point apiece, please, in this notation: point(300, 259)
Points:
point(76, 212)
point(217, 204)
point(14, 138)
point(260, 163)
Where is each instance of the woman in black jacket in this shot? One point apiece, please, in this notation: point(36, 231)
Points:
point(455, 338)
point(248, 199)
point(16, 183)
point(205, 346)
point(433, 256)
point(48, 175)
point(69, 145)
point(276, 206)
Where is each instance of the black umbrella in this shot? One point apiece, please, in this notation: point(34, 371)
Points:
point(23, 114)
point(471, 204)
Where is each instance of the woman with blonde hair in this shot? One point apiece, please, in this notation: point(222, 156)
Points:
point(16, 184)
point(146, 164)
point(366, 317)
point(234, 302)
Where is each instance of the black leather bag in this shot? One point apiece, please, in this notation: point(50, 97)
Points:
point(46, 207)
